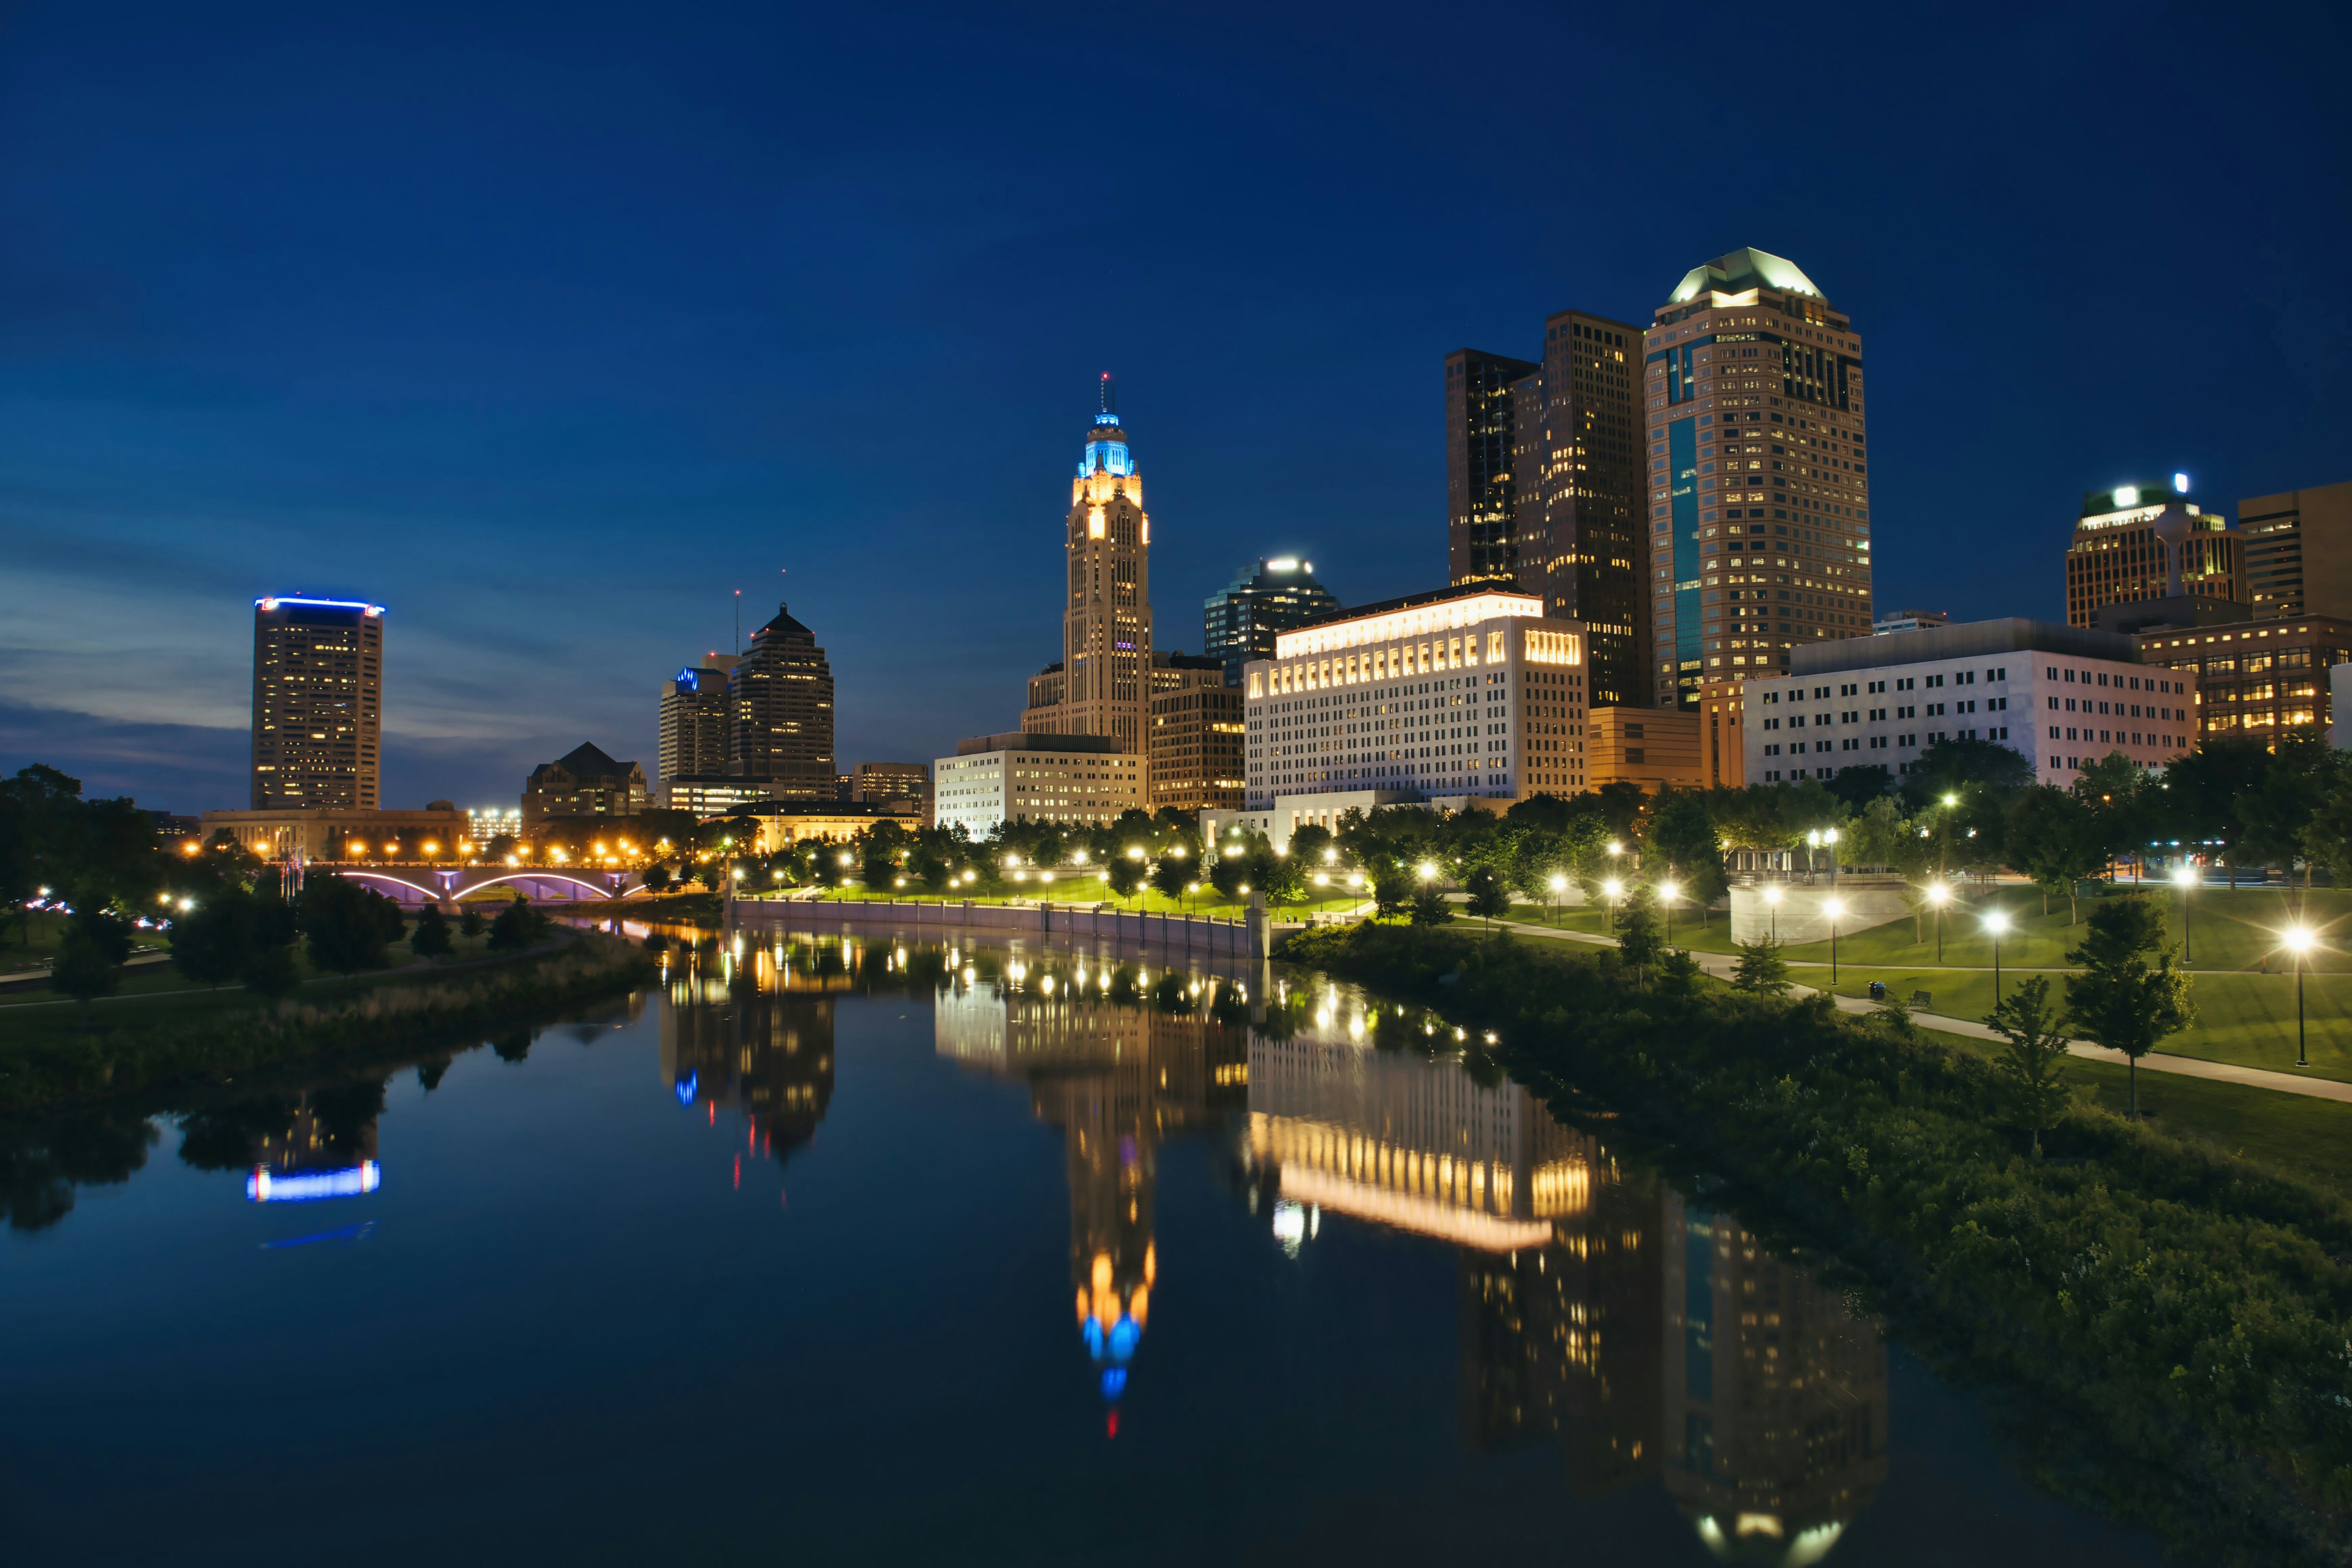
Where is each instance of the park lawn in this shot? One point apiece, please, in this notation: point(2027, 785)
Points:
point(34, 945)
point(162, 981)
point(2289, 1132)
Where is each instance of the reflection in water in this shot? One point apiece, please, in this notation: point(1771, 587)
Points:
point(754, 1035)
point(1645, 1338)
point(1117, 1077)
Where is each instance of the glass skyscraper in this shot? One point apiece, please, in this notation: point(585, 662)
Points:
point(1239, 621)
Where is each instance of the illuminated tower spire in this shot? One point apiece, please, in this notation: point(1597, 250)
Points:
point(1104, 685)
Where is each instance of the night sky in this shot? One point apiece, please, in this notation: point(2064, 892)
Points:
point(550, 328)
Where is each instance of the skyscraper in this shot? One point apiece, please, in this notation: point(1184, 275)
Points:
point(318, 703)
point(1240, 620)
point(1759, 508)
point(1102, 686)
point(2298, 552)
point(1484, 447)
point(2125, 552)
point(781, 697)
point(695, 721)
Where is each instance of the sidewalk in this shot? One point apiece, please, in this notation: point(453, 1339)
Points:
point(1720, 966)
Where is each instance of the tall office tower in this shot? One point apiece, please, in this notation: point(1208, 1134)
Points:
point(1544, 485)
point(695, 723)
point(1758, 497)
point(1483, 445)
point(781, 697)
point(1193, 754)
point(1241, 620)
point(1103, 685)
point(2298, 552)
point(318, 703)
point(2124, 550)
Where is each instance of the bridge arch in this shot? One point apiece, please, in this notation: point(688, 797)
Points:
point(530, 874)
point(427, 894)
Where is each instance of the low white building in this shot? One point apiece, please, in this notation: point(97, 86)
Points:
point(1466, 693)
point(2063, 697)
point(1073, 779)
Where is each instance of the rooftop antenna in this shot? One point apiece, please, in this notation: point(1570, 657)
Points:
point(1109, 394)
point(738, 622)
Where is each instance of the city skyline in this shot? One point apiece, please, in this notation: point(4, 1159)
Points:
point(511, 451)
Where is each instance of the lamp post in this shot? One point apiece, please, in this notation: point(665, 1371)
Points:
point(1559, 886)
point(2184, 877)
point(1609, 889)
point(1835, 908)
point(2298, 941)
point(1772, 902)
point(1995, 923)
point(1666, 891)
point(1939, 894)
point(1830, 837)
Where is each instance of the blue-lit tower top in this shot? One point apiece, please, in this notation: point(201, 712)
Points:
point(1107, 451)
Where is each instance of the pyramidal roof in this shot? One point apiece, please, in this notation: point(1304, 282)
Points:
point(588, 758)
point(1743, 269)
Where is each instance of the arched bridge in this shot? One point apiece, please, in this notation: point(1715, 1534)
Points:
point(425, 884)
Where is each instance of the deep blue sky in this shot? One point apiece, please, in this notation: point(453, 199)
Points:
point(550, 327)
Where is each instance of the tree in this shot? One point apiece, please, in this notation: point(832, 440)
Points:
point(470, 922)
point(211, 941)
point(1125, 875)
point(430, 939)
point(2053, 837)
point(2034, 1064)
point(1488, 896)
point(89, 960)
point(346, 926)
point(1429, 907)
point(2277, 818)
point(514, 928)
point(1392, 890)
point(1760, 970)
point(2207, 791)
point(267, 968)
point(1639, 942)
point(1946, 767)
point(1856, 786)
point(1281, 876)
point(1683, 834)
point(656, 880)
point(2119, 1000)
point(1171, 875)
point(1308, 843)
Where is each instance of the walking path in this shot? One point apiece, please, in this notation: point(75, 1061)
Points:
point(1720, 966)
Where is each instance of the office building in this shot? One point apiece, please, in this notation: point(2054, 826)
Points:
point(697, 724)
point(2146, 540)
point(1241, 620)
point(1759, 495)
point(1101, 684)
point(1195, 755)
point(2062, 697)
point(1895, 621)
point(318, 704)
point(585, 782)
point(1722, 748)
point(2256, 678)
point(1656, 748)
point(1544, 486)
point(2297, 549)
point(780, 696)
point(1074, 779)
point(906, 785)
point(485, 823)
point(770, 826)
point(1470, 692)
point(714, 794)
point(326, 833)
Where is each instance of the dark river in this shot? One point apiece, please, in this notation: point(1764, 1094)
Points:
point(876, 1254)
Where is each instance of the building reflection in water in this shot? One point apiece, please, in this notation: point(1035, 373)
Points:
point(1121, 1058)
point(1647, 1339)
point(321, 1145)
point(751, 1031)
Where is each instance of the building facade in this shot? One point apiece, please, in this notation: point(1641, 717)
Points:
point(1758, 494)
point(2297, 549)
point(1484, 487)
point(781, 696)
point(2060, 696)
point(1240, 621)
point(585, 782)
point(697, 722)
point(1073, 779)
point(324, 833)
point(1471, 691)
point(1894, 621)
point(1656, 748)
point(318, 704)
point(1102, 684)
point(1196, 754)
point(2144, 542)
point(714, 794)
point(2259, 677)
point(894, 784)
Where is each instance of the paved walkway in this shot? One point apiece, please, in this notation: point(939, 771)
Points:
point(1720, 965)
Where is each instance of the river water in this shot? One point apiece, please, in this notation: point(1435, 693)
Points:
point(866, 1252)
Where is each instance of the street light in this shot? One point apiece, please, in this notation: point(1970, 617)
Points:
point(1428, 872)
point(2298, 941)
point(1939, 894)
point(1995, 923)
point(1611, 889)
point(1666, 892)
point(1834, 907)
point(1830, 837)
point(1772, 902)
point(1558, 890)
point(2184, 877)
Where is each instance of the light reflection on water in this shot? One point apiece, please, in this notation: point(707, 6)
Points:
point(1677, 1369)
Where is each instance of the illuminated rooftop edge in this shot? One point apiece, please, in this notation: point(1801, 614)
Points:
point(275, 600)
point(1380, 624)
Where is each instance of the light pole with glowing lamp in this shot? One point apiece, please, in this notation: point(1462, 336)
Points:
point(1559, 886)
point(1666, 891)
point(1834, 907)
point(2184, 877)
point(1609, 889)
point(1995, 923)
point(2298, 942)
point(1772, 902)
point(1939, 894)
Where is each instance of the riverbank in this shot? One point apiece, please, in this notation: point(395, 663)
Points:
point(2176, 1315)
point(209, 1034)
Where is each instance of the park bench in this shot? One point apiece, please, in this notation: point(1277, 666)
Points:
point(1924, 1000)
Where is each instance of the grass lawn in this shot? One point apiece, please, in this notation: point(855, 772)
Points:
point(35, 943)
point(161, 991)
